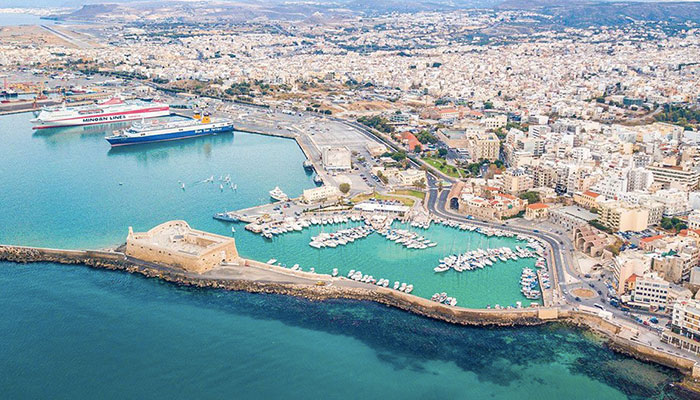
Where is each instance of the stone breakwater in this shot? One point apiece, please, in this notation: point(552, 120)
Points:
point(316, 292)
point(321, 290)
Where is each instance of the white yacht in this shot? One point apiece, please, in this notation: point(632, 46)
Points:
point(278, 194)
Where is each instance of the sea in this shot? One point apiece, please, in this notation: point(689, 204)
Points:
point(16, 19)
point(75, 332)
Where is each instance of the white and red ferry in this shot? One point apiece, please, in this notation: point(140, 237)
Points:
point(112, 110)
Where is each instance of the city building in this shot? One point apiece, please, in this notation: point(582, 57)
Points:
point(685, 326)
point(673, 175)
point(569, 217)
point(483, 146)
point(619, 216)
point(536, 211)
point(588, 199)
point(321, 194)
point(516, 181)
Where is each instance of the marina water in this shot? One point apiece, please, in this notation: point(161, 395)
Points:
point(89, 331)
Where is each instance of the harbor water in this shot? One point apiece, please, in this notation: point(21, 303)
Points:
point(67, 188)
point(75, 332)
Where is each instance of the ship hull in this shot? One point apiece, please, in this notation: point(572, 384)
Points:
point(108, 118)
point(168, 136)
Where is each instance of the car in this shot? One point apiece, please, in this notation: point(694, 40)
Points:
point(600, 293)
point(577, 298)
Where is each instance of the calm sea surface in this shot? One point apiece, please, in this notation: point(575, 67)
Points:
point(73, 332)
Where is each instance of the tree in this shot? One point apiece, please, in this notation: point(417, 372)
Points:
point(442, 152)
point(399, 156)
point(382, 178)
point(418, 148)
point(531, 197)
point(344, 188)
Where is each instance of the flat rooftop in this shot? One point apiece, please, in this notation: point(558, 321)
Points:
point(577, 212)
point(178, 236)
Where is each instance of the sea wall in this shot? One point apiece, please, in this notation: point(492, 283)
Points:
point(323, 291)
point(611, 332)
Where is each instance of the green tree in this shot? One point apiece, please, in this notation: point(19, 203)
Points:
point(344, 188)
point(531, 197)
point(442, 152)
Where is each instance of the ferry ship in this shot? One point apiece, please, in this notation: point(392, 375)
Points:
point(142, 132)
point(112, 110)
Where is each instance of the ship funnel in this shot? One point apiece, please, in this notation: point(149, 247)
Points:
point(197, 115)
point(205, 118)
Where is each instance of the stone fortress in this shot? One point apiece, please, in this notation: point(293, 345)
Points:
point(175, 243)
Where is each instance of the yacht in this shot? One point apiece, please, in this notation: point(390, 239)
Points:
point(278, 194)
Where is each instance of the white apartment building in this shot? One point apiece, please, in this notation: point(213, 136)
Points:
point(675, 201)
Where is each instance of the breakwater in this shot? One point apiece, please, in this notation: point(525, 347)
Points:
point(315, 287)
point(323, 287)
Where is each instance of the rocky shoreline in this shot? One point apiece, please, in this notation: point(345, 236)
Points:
point(501, 318)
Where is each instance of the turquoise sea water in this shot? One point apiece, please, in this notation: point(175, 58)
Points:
point(73, 332)
point(66, 188)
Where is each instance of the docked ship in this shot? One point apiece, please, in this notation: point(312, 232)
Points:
point(112, 110)
point(159, 131)
point(278, 194)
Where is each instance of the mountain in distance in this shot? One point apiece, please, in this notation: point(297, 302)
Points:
point(570, 13)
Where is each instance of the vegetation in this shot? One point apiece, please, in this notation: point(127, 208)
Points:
point(500, 133)
point(412, 193)
point(443, 167)
point(531, 197)
point(473, 169)
point(376, 122)
point(382, 177)
point(397, 156)
point(426, 137)
point(688, 118)
point(596, 224)
point(403, 200)
point(344, 188)
point(674, 223)
point(239, 89)
point(516, 125)
point(442, 152)
point(518, 215)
